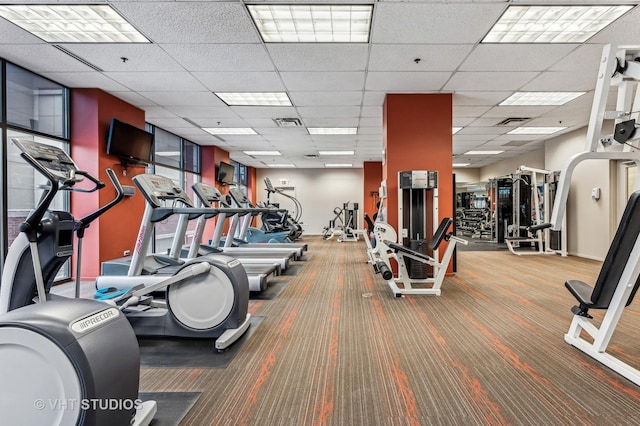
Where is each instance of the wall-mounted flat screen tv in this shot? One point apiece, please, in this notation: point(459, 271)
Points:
point(129, 143)
point(225, 173)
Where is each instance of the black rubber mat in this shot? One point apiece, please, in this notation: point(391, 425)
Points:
point(190, 353)
point(273, 290)
point(172, 406)
point(293, 269)
point(304, 257)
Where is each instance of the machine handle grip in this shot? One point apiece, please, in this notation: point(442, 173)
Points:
point(540, 227)
point(86, 221)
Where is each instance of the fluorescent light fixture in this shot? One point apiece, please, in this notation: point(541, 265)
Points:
point(483, 152)
point(540, 98)
point(455, 130)
point(73, 23)
point(460, 164)
point(553, 24)
point(254, 98)
point(535, 130)
point(281, 166)
point(336, 152)
point(230, 130)
point(332, 130)
point(338, 165)
point(168, 153)
point(282, 23)
point(254, 153)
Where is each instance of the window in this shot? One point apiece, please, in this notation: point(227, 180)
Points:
point(35, 103)
point(167, 148)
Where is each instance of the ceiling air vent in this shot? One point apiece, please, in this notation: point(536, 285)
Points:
point(512, 121)
point(288, 122)
point(311, 156)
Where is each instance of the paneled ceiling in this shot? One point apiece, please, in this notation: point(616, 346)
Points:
point(201, 47)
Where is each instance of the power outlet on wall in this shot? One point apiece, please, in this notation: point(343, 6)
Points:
point(127, 252)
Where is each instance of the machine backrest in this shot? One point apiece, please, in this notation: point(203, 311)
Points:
point(618, 255)
point(440, 233)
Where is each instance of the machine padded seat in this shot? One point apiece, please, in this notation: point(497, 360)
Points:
point(614, 264)
point(438, 236)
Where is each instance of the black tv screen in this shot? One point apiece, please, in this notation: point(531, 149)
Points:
point(225, 173)
point(129, 143)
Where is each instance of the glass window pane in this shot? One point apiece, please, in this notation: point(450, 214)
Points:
point(165, 230)
point(166, 148)
point(35, 103)
point(191, 153)
point(24, 188)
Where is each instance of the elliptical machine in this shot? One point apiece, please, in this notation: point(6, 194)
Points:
point(62, 361)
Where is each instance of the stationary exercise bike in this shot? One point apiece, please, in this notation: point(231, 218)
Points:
point(62, 361)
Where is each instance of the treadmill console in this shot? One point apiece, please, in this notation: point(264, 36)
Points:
point(156, 189)
point(206, 193)
point(238, 197)
point(50, 159)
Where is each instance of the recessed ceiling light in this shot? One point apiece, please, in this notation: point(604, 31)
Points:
point(338, 165)
point(254, 99)
point(483, 152)
point(460, 164)
point(455, 130)
point(230, 130)
point(272, 153)
point(535, 130)
point(281, 166)
point(335, 152)
point(312, 23)
point(73, 23)
point(553, 24)
point(167, 153)
point(540, 98)
point(332, 130)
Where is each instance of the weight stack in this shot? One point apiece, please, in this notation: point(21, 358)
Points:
point(417, 270)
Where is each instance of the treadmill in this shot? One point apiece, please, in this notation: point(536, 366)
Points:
point(159, 264)
point(209, 196)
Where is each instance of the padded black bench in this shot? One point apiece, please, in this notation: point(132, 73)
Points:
point(614, 264)
point(438, 237)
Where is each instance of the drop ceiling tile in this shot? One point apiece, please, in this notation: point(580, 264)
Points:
point(518, 111)
point(167, 123)
point(489, 81)
point(623, 31)
point(158, 112)
point(326, 98)
point(329, 111)
point(242, 140)
point(86, 79)
point(319, 56)
point(406, 81)
point(323, 81)
point(370, 130)
point(372, 98)
point(331, 122)
point(134, 99)
point(221, 122)
point(195, 112)
point(433, 23)
point(139, 57)
point(335, 139)
point(41, 58)
point(157, 81)
point(432, 57)
point(240, 81)
point(13, 34)
point(220, 57)
point(184, 98)
point(466, 98)
point(371, 122)
point(515, 57)
point(562, 81)
point(486, 131)
point(462, 121)
point(584, 59)
point(371, 111)
point(469, 111)
point(283, 132)
point(182, 22)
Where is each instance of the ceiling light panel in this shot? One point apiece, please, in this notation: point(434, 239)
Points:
point(483, 152)
point(230, 130)
point(535, 130)
point(254, 153)
point(332, 130)
point(553, 24)
point(312, 23)
point(338, 165)
point(281, 166)
point(460, 164)
point(540, 98)
point(75, 23)
point(455, 130)
point(335, 152)
point(255, 99)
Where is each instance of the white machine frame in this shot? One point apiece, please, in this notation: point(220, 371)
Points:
point(605, 148)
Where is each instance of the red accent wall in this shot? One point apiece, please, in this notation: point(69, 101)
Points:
point(417, 136)
point(372, 176)
point(116, 230)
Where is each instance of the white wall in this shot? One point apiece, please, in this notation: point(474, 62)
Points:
point(589, 222)
point(464, 175)
point(318, 190)
point(508, 166)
